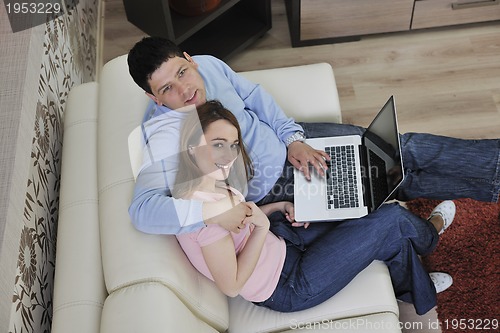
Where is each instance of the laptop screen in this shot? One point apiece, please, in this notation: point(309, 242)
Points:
point(382, 139)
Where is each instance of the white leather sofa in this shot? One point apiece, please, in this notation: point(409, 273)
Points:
point(112, 278)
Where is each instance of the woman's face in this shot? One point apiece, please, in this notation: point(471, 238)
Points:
point(217, 150)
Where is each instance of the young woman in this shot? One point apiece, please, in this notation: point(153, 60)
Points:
point(271, 261)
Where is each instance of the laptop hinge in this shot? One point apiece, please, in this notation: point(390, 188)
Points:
point(365, 179)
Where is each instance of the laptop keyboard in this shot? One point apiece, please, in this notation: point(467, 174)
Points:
point(341, 180)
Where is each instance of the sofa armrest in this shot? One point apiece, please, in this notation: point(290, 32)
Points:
point(150, 307)
point(306, 93)
point(79, 290)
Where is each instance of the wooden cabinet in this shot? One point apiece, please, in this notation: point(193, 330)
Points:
point(328, 21)
point(438, 13)
point(231, 27)
point(340, 18)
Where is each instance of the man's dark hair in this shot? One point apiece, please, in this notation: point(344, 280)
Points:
point(147, 56)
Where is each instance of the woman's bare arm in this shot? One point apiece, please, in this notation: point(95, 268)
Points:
point(231, 272)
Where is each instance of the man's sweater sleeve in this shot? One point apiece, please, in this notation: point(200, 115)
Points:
point(154, 211)
point(259, 101)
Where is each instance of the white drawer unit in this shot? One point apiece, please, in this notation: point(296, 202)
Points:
point(328, 21)
point(339, 18)
point(437, 13)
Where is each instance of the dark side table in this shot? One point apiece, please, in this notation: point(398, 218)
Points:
point(223, 32)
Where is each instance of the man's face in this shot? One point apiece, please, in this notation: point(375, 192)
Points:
point(177, 84)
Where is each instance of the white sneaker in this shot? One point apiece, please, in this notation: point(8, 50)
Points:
point(446, 210)
point(442, 281)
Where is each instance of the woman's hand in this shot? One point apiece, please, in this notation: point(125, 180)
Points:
point(287, 208)
point(289, 211)
point(257, 217)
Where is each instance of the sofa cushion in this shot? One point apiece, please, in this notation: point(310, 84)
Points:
point(368, 293)
point(78, 309)
point(385, 322)
point(301, 91)
point(150, 307)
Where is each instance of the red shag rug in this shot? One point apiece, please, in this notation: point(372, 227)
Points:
point(470, 252)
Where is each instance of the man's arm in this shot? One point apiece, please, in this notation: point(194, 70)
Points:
point(260, 102)
point(268, 111)
point(153, 210)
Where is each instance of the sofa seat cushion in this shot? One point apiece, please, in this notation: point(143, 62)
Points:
point(305, 93)
point(153, 308)
point(385, 322)
point(370, 292)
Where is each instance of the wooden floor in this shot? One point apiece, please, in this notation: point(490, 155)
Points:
point(445, 81)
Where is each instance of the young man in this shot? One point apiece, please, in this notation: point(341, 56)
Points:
point(436, 167)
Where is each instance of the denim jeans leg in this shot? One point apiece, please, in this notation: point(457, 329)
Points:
point(282, 189)
point(411, 282)
point(438, 167)
point(341, 250)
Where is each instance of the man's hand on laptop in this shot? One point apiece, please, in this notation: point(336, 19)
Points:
point(300, 154)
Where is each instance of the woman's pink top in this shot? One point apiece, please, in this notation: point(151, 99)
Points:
point(263, 281)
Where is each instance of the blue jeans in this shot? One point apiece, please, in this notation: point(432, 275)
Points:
point(322, 259)
point(325, 257)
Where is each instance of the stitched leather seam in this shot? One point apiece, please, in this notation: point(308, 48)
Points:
point(78, 303)
point(79, 203)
